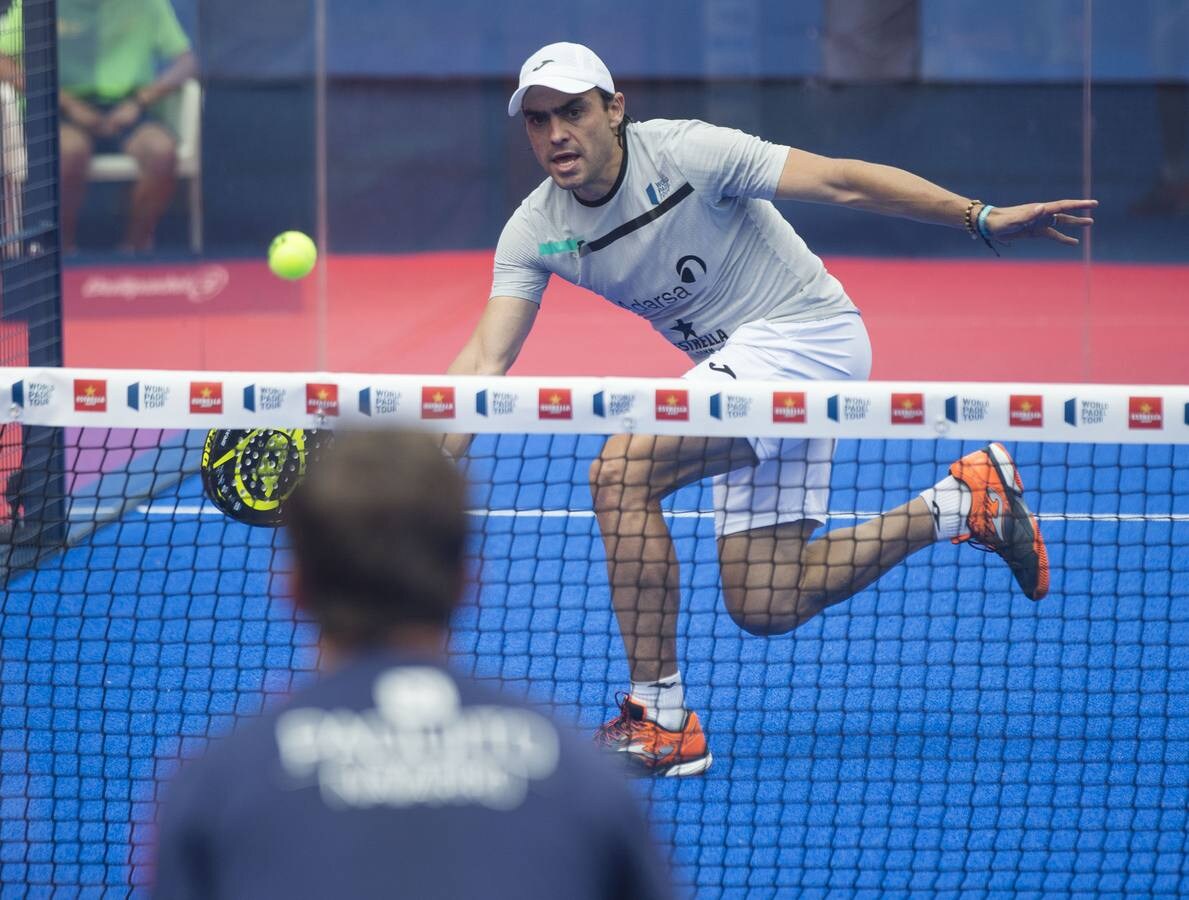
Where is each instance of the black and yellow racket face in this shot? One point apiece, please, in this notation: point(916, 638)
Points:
point(249, 473)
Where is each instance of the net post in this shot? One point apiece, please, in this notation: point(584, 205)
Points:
point(31, 283)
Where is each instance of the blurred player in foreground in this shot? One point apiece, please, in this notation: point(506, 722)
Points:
point(391, 776)
point(674, 221)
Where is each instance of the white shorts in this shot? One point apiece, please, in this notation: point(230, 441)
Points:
point(792, 480)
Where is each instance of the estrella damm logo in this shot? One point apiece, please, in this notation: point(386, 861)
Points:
point(908, 409)
point(672, 406)
point(1025, 410)
point(437, 403)
point(788, 406)
point(555, 403)
point(206, 396)
point(90, 395)
point(1145, 412)
point(322, 399)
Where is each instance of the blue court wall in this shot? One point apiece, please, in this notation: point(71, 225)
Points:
point(960, 40)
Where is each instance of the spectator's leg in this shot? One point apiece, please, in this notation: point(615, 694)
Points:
point(76, 148)
point(155, 151)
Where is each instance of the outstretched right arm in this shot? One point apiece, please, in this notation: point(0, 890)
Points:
point(491, 349)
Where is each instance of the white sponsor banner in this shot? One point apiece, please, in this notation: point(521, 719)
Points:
point(1089, 413)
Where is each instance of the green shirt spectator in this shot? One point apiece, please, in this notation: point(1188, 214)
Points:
point(109, 48)
point(12, 31)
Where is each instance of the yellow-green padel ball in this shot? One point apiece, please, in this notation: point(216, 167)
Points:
point(292, 255)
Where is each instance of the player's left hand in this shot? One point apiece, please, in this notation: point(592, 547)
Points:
point(1040, 220)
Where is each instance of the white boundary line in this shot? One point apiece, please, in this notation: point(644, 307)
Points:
point(79, 511)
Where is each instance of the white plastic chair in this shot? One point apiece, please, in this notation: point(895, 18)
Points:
point(121, 167)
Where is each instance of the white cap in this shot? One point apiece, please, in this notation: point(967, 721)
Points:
point(565, 67)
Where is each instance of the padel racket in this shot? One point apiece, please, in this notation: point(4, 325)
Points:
point(250, 473)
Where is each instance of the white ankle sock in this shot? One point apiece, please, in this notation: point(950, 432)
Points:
point(663, 701)
point(949, 501)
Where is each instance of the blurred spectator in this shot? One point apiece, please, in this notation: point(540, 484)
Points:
point(11, 43)
point(393, 777)
point(118, 59)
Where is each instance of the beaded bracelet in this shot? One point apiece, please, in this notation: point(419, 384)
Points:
point(968, 219)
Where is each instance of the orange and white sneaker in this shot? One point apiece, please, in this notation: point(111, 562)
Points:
point(647, 749)
point(1000, 520)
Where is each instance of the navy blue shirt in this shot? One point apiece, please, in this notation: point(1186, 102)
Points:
point(392, 777)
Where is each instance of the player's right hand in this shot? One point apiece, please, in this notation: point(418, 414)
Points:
point(1040, 220)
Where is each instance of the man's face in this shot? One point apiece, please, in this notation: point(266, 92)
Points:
point(573, 138)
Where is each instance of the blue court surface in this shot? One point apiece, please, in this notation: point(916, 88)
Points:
point(937, 734)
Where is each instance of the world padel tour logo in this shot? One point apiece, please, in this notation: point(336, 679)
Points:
point(378, 401)
point(437, 403)
point(788, 407)
point(730, 406)
point(1026, 410)
point(908, 409)
point(322, 399)
point(841, 408)
point(90, 395)
point(610, 403)
point(206, 396)
point(672, 406)
point(263, 398)
point(32, 394)
point(967, 409)
point(147, 396)
point(495, 403)
point(1145, 412)
point(554, 403)
point(1079, 411)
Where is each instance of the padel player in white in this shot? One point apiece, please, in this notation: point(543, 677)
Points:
point(674, 221)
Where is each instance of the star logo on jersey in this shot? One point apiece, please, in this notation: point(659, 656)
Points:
point(206, 397)
point(686, 329)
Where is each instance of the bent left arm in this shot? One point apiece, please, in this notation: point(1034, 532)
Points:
point(894, 192)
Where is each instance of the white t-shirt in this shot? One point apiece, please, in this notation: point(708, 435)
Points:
point(688, 238)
